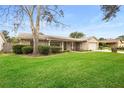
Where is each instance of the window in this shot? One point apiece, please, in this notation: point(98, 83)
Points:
point(55, 44)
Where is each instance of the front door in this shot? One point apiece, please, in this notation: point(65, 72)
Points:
point(31, 42)
point(65, 46)
point(77, 45)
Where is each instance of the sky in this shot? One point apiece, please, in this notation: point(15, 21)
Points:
point(85, 19)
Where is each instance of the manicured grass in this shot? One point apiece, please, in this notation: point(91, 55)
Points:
point(62, 70)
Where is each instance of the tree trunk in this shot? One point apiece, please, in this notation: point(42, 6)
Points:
point(35, 29)
point(35, 43)
point(36, 32)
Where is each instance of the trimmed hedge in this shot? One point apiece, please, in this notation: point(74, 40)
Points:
point(101, 47)
point(24, 49)
point(55, 49)
point(44, 50)
point(17, 49)
point(66, 51)
point(27, 50)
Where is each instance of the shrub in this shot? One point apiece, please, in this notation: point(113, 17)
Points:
point(66, 51)
point(120, 48)
point(101, 47)
point(44, 50)
point(55, 49)
point(17, 49)
point(114, 49)
point(27, 49)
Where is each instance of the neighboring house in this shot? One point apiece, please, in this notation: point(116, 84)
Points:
point(122, 43)
point(113, 42)
point(2, 41)
point(65, 43)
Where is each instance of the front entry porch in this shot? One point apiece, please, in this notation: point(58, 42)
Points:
point(65, 45)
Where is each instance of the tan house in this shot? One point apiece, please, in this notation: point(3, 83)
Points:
point(65, 43)
point(113, 42)
point(2, 41)
point(122, 45)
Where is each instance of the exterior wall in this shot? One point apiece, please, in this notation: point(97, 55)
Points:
point(123, 43)
point(24, 42)
point(7, 47)
point(92, 40)
point(87, 44)
point(1, 43)
point(120, 44)
point(92, 44)
point(68, 46)
point(84, 46)
point(43, 42)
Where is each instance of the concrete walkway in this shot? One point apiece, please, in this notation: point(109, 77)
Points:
point(108, 51)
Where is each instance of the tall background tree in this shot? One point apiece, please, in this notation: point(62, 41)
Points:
point(77, 34)
point(6, 35)
point(121, 37)
point(110, 11)
point(101, 38)
point(34, 15)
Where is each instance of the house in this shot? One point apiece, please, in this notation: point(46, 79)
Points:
point(65, 43)
point(2, 41)
point(122, 45)
point(113, 42)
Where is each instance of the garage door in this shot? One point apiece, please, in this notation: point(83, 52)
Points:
point(92, 46)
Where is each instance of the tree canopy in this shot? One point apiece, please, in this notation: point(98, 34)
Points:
point(76, 34)
point(109, 11)
point(33, 15)
point(121, 37)
point(6, 35)
point(101, 38)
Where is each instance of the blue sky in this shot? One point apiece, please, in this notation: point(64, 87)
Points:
point(86, 19)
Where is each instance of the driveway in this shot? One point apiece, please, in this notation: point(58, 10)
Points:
point(108, 51)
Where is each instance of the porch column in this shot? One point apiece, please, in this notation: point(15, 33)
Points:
point(49, 43)
point(62, 46)
point(72, 47)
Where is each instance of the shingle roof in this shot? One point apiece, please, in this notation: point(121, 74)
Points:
point(49, 37)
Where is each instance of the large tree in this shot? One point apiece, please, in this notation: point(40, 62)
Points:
point(110, 11)
point(34, 15)
point(76, 34)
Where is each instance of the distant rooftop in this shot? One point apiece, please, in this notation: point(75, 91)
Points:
point(109, 41)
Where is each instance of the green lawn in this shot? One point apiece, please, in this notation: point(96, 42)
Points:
point(62, 70)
